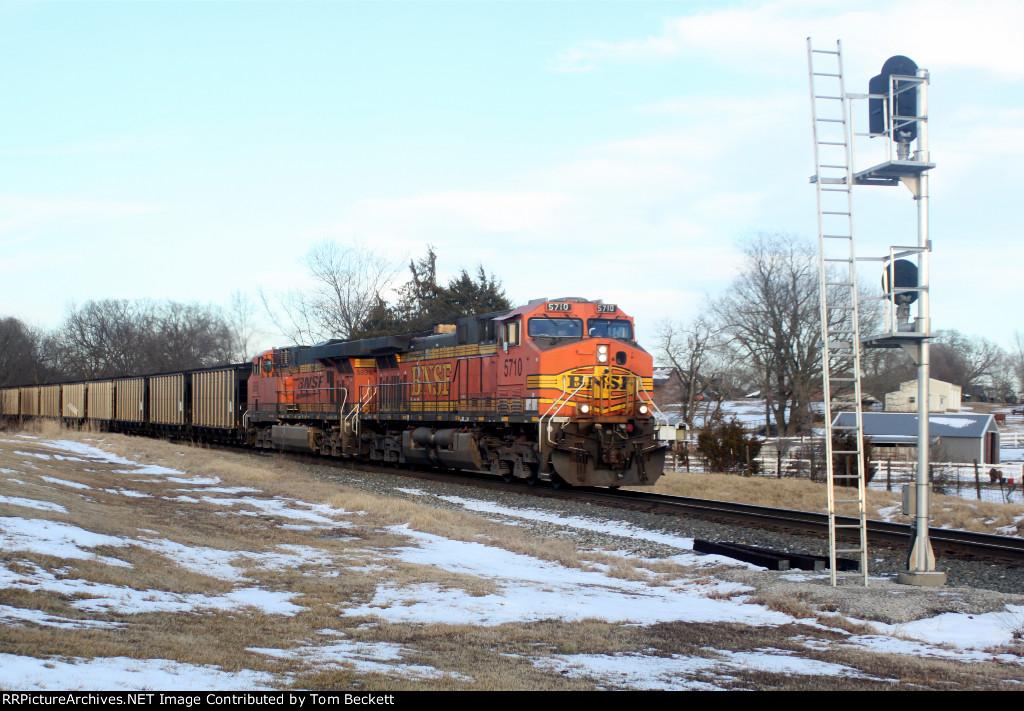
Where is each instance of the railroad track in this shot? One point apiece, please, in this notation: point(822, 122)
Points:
point(947, 541)
point(950, 541)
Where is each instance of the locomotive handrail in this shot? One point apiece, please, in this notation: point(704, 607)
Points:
point(370, 392)
point(341, 405)
point(540, 422)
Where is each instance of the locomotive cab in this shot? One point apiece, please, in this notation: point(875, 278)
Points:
point(591, 384)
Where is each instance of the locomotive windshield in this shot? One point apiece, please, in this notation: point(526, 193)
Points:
point(556, 328)
point(608, 328)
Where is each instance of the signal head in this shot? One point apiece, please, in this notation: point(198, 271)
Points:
point(904, 99)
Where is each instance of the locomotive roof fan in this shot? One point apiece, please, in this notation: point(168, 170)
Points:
point(898, 277)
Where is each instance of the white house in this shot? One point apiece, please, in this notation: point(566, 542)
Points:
point(942, 396)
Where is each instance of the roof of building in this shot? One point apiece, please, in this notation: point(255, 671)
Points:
point(903, 425)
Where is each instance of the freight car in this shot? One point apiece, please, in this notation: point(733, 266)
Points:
point(555, 390)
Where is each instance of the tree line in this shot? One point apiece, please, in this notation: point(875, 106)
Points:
point(116, 337)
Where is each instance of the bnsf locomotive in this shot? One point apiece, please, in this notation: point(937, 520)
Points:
point(555, 390)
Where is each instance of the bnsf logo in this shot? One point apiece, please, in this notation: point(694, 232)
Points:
point(607, 382)
point(310, 382)
point(432, 379)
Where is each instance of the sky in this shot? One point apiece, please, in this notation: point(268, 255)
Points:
point(611, 150)
point(524, 589)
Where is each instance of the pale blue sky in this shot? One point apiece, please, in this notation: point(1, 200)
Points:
point(613, 150)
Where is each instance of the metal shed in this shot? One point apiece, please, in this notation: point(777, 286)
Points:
point(956, 437)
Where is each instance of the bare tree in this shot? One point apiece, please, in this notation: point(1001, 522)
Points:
point(770, 317)
point(241, 316)
point(885, 369)
point(968, 361)
point(20, 358)
point(189, 336)
point(103, 338)
point(689, 350)
point(1017, 360)
point(117, 337)
point(348, 283)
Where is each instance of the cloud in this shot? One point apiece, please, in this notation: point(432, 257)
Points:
point(941, 34)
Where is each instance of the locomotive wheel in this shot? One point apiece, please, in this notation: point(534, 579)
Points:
point(558, 482)
point(531, 479)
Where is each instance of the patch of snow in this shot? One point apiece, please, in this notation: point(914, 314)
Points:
point(964, 631)
point(32, 504)
point(679, 673)
point(954, 422)
point(532, 589)
point(64, 482)
point(104, 598)
point(123, 674)
point(315, 513)
point(15, 615)
point(365, 657)
point(37, 455)
point(54, 538)
point(86, 450)
point(129, 493)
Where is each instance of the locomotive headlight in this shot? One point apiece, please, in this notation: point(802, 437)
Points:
point(602, 354)
point(584, 409)
point(643, 409)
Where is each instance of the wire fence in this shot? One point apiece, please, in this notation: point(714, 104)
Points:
point(803, 458)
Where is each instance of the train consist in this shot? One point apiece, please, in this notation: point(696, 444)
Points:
point(555, 390)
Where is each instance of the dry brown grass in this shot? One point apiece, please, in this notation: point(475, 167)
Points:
point(174, 511)
point(347, 566)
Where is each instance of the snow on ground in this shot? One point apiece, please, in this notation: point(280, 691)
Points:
point(532, 589)
point(524, 589)
point(122, 674)
point(599, 526)
point(55, 538)
point(671, 673)
point(366, 657)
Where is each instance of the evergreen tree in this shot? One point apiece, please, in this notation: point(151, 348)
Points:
point(423, 302)
point(727, 446)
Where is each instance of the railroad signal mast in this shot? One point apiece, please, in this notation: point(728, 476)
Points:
point(898, 114)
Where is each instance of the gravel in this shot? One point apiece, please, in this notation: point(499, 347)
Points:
point(972, 586)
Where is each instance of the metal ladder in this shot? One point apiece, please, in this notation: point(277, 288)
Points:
point(837, 286)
